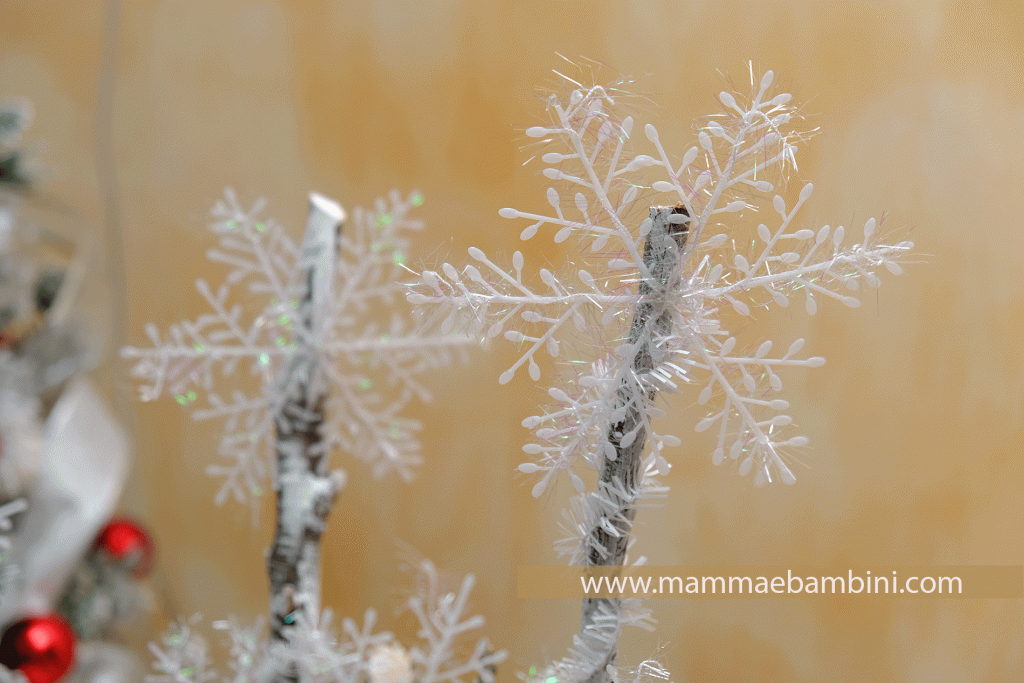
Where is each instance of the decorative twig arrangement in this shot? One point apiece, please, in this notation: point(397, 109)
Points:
point(316, 360)
point(661, 294)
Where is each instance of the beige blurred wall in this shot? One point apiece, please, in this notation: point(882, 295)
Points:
point(916, 422)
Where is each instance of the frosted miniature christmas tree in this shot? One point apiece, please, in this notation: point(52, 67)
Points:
point(659, 262)
point(329, 374)
point(63, 454)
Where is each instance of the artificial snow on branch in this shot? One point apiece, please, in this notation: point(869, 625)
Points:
point(663, 232)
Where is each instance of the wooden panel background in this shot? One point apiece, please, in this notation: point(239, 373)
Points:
point(916, 422)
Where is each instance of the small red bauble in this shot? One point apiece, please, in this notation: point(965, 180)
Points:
point(42, 648)
point(125, 541)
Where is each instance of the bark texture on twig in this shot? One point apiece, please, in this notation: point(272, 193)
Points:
point(305, 493)
point(620, 477)
point(305, 490)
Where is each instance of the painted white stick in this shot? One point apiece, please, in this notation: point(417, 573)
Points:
point(305, 490)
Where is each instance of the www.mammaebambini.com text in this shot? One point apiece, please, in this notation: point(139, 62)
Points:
point(576, 582)
point(788, 584)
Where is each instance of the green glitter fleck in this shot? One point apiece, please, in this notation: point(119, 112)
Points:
point(191, 396)
point(180, 398)
point(199, 348)
point(383, 219)
point(552, 679)
point(281, 341)
point(364, 383)
point(260, 227)
point(533, 671)
point(283, 320)
point(264, 358)
point(398, 258)
point(417, 199)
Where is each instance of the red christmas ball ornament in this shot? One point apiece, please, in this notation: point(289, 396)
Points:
point(42, 648)
point(125, 541)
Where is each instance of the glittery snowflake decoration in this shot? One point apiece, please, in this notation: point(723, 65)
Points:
point(721, 176)
point(664, 269)
point(315, 651)
point(368, 355)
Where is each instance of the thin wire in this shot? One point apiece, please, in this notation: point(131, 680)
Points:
point(107, 168)
point(109, 184)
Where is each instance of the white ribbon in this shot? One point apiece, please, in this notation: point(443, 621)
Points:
point(84, 467)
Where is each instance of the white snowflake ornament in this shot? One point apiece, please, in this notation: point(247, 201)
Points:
point(693, 277)
point(370, 368)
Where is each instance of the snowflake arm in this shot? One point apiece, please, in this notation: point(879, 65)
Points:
point(442, 621)
point(181, 656)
